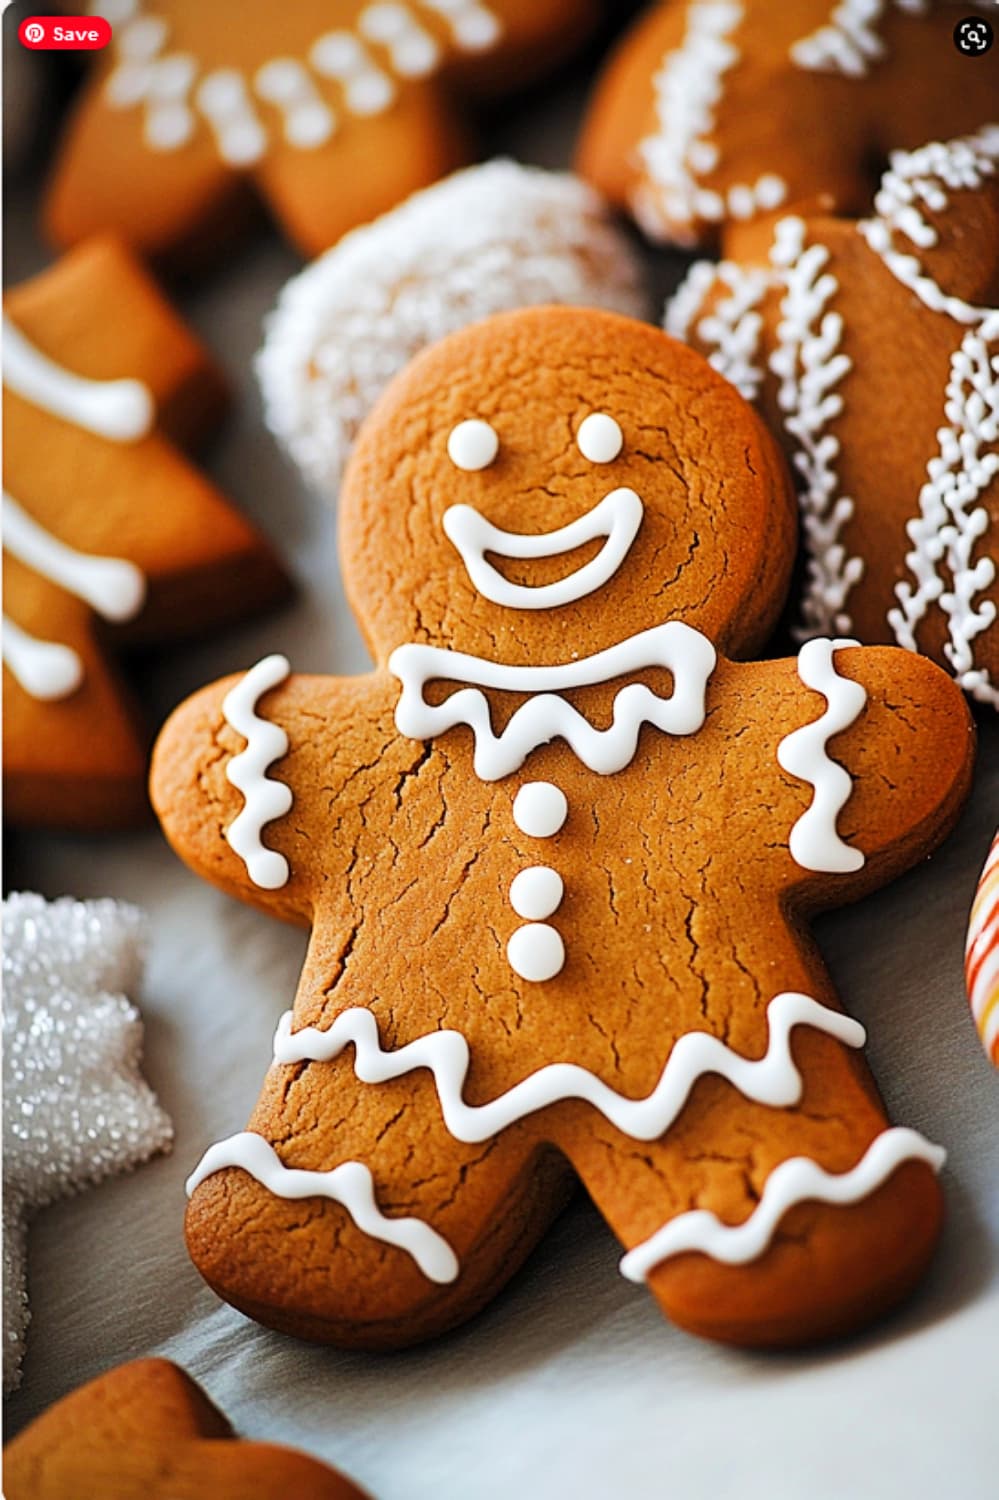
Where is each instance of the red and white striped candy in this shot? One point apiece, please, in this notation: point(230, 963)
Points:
point(981, 956)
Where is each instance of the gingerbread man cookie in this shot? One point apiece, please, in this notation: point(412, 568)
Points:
point(558, 852)
point(873, 349)
point(145, 1431)
point(332, 111)
point(110, 535)
point(719, 111)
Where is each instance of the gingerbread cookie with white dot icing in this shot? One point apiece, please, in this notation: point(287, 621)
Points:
point(873, 348)
point(721, 111)
point(112, 538)
point(558, 852)
point(331, 111)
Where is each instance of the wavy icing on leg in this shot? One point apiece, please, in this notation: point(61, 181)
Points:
point(349, 1184)
point(265, 799)
point(814, 842)
point(772, 1079)
point(122, 411)
point(797, 1180)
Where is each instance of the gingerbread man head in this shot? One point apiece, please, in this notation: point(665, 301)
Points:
point(557, 851)
point(544, 486)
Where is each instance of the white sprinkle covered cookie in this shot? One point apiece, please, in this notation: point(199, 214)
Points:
point(716, 112)
point(873, 348)
point(488, 239)
point(557, 851)
point(331, 111)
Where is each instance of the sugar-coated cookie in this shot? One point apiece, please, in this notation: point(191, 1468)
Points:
point(331, 111)
point(719, 111)
point(982, 955)
point(76, 1106)
point(558, 852)
point(488, 239)
point(111, 537)
point(873, 348)
point(145, 1431)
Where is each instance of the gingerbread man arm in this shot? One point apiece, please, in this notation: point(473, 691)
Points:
point(317, 830)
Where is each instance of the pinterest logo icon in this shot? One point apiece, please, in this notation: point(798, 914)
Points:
point(34, 32)
point(64, 33)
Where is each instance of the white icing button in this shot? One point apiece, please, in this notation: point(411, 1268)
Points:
point(536, 892)
point(600, 438)
point(536, 952)
point(472, 445)
point(540, 809)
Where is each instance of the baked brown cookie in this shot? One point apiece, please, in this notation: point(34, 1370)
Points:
point(145, 1431)
point(558, 852)
point(112, 538)
point(331, 111)
point(873, 349)
point(719, 111)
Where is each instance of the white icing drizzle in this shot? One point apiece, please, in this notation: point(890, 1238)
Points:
point(810, 364)
point(797, 1180)
point(45, 670)
point(265, 799)
point(772, 1079)
point(730, 334)
point(116, 589)
point(688, 87)
point(162, 83)
point(349, 1184)
point(123, 411)
point(617, 517)
point(685, 652)
point(923, 177)
point(814, 842)
point(950, 526)
point(849, 42)
point(307, 120)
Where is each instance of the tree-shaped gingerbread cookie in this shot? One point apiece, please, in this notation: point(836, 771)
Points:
point(558, 852)
point(331, 111)
point(714, 112)
point(112, 538)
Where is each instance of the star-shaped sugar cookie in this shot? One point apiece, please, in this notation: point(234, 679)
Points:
point(111, 536)
point(76, 1107)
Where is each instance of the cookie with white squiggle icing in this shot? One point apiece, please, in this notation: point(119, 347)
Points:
point(488, 239)
point(873, 348)
point(112, 539)
point(330, 111)
point(715, 112)
point(558, 851)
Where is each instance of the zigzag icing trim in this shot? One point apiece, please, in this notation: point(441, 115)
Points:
point(772, 1079)
point(797, 1180)
point(814, 841)
point(264, 798)
point(688, 87)
point(350, 1184)
point(921, 179)
point(809, 364)
point(731, 332)
point(950, 526)
point(849, 42)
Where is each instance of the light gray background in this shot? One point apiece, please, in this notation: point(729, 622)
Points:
point(571, 1383)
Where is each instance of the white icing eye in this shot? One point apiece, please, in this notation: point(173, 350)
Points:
point(472, 445)
point(600, 438)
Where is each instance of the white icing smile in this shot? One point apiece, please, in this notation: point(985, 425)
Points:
point(617, 517)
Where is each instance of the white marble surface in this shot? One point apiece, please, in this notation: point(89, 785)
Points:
point(570, 1384)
